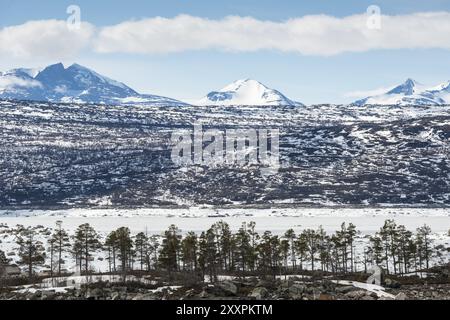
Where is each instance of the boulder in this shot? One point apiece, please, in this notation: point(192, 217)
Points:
point(367, 298)
point(358, 294)
point(94, 294)
point(346, 289)
point(297, 289)
point(144, 297)
point(401, 296)
point(115, 296)
point(259, 293)
point(228, 287)
point(390, 283)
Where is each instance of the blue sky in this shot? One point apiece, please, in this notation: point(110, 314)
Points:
point(189, 74)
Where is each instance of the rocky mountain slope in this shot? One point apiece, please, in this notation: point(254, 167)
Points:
point(91, 155)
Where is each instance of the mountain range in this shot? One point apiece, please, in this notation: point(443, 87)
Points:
point(78, 84)
point(411, 92)
point(74, 84)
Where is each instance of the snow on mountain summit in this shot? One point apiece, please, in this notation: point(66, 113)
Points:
point(75, 83)
point(411, 92)
point(246, 92)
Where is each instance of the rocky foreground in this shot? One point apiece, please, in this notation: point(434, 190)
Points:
point(249, 289)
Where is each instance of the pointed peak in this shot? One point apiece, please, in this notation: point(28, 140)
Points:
point(411, 82)
point(58, 65)
point(408, 87)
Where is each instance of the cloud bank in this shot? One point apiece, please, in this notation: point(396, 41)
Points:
point(48, 39)
point(319, 35)
point(7, 82)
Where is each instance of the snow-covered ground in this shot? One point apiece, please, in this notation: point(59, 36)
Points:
point(155, 221)
point(278, 220)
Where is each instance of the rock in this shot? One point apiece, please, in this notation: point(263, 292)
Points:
point(358, 294)
point(48, 295)
point(228, 287)
point(385, 298)
point(259, 293)
point(345, 289)
point(266, 284)
point(203, 295)
point(367, 298)
point(401, 296)
point(94, 294)
point(297, 289)
point(142, 297)
point(390, 283)
point(372, 294)
point(115, 296)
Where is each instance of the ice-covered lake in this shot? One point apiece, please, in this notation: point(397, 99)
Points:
point(155, 221)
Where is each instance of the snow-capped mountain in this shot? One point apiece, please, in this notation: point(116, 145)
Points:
point(246, 92)
point(76, 84)
point(411, 93)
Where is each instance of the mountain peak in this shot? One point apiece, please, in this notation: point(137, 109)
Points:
point(75, 84)
point(407, 88)
point(247, 92)
point(411, 92)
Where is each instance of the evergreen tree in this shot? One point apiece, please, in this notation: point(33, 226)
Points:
point(141, 244)
point(61, 243)
point(301, 248)
point(124, 247)
point(111, 245)
point(86, 242)
point(189, 251)
point(291, 237)
point(31, 251)
point(425, 244)
point(168, 255)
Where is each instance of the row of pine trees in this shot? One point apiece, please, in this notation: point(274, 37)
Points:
point(219, 250)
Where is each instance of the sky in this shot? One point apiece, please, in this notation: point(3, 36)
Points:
point(318, 51)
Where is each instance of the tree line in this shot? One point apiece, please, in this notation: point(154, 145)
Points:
point(219, 250)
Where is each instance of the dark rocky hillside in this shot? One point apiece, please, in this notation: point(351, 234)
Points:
point(92, 155)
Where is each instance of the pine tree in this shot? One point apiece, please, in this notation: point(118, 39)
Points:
point(31, 251)
point(301, 248)
point(285, 249)
point(425, 243)
point(141, 244)
point(61, 244)
point(124, 246)
point(168, 255)
point(86, 242)
point(189, 251)
point(311, 240)
point(291, 237)
point(244, 250)
point(111, 246)
point(351, 232)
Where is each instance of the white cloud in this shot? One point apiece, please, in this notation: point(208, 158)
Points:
point(44, 39)
point(7, 82)
point(367, 93)
point(310, 35)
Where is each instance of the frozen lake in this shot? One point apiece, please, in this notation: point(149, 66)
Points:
point(155, 221)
